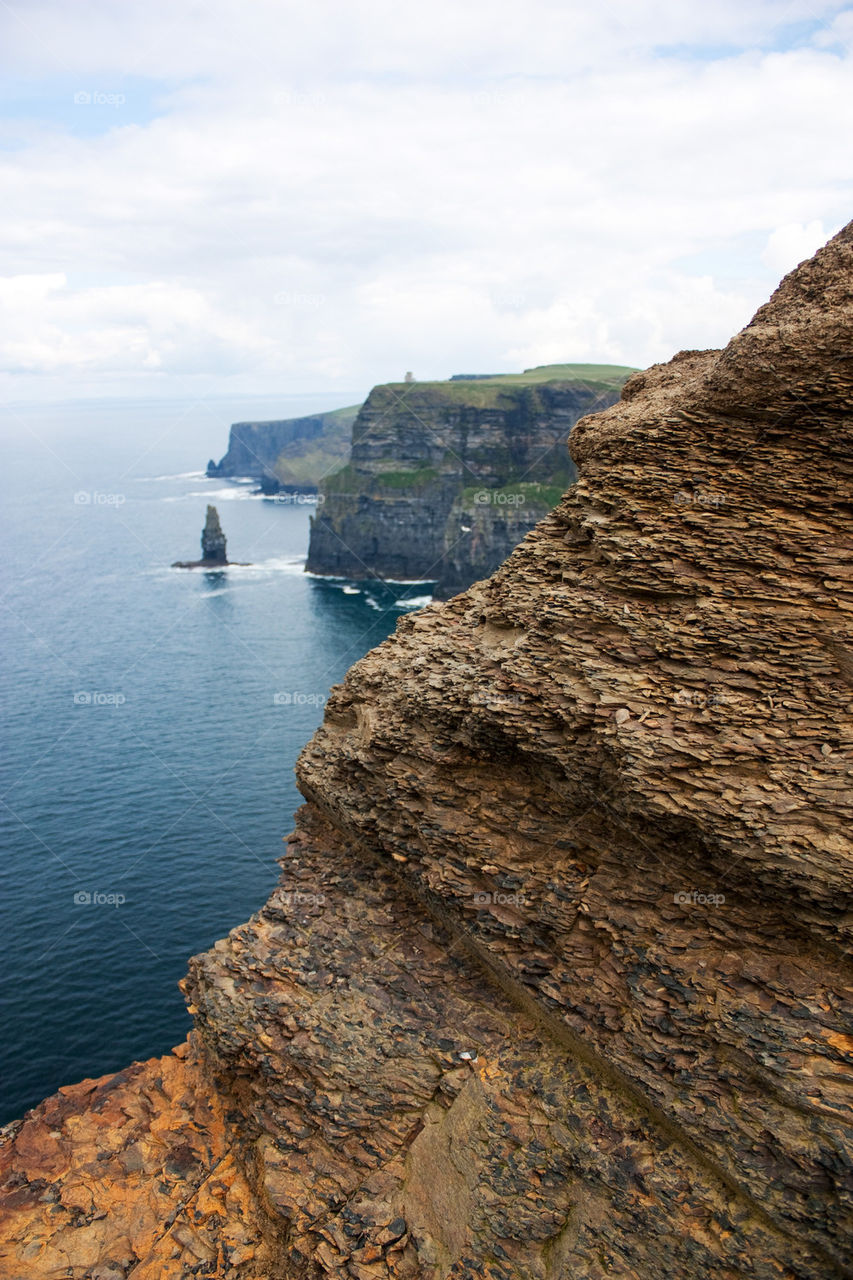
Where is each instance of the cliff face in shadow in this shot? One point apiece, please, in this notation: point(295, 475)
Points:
point(445, 478)
point(557, 980)
point(293, 453)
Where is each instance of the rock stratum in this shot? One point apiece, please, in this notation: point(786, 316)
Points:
point(557, 979)
point(445, 478)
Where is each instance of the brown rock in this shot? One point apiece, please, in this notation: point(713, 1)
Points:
point(578, 998)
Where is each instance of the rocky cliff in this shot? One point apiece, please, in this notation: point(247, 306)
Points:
point(294, 453)
point(557, 979)
point(445, 478)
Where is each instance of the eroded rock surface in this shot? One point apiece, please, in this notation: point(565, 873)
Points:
point(557, 980)
point(133, 1174)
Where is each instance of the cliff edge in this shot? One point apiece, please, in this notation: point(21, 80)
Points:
point(445, 478)
point(288, 453)
point(557, 979)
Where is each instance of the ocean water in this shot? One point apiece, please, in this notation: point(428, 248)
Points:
point(152, 718)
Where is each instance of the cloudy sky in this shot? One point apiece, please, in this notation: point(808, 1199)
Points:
point(280, 197)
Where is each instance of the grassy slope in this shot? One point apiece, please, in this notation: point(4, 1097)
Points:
point(492, 392)
point(309, 463)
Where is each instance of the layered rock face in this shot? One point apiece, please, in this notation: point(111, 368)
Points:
point(293, 453)
point(445, 478)
point(557, 980)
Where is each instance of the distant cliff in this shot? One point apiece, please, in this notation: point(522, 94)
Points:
point(291, 453)
point(445, 478)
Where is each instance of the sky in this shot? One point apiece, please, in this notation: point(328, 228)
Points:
point(280, 198)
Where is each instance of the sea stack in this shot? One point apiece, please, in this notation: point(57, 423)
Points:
point(213, 539)
point(212, 546)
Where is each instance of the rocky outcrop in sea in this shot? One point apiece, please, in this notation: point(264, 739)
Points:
point(445, 478)
point(557, 979)
point(213, 539)
point(213, 546)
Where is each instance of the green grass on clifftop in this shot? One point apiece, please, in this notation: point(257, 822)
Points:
point(495, 392)
point(607, 375)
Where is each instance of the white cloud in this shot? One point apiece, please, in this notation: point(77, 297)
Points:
point(336, 193)
point(47, 327)
point(283, 39)
point(791, 244)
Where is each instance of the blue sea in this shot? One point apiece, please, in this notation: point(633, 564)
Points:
point(152, 717)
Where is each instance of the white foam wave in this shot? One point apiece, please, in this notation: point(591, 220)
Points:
point(235, 494)
point(290, 566)
point(180, 475)
point(334, 580)
point(415, 602)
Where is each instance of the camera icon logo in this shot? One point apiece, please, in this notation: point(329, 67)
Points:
point(482, 498)
point(82, 98)
point(82, 898)
point(82, 699)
